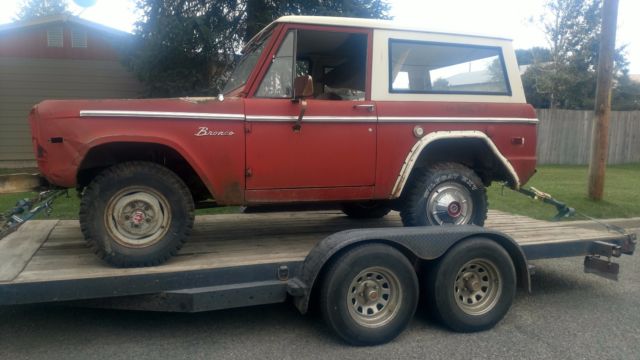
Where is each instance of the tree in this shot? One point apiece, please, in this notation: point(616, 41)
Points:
point(535, 55)
point(564, 75)
point(180, 44)
point(261, 12)
point(30, 9)
point(183, 47)
point(626, 94)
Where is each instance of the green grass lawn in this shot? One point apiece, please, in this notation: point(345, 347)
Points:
point(566, 183)
point(569, 185)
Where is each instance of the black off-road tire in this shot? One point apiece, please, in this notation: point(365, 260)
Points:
point(367, 262)
point(176, 205)
point(365, 210)
point(441, 285)
point(426, 180)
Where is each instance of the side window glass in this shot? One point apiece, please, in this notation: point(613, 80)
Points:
point(337, 63)
point(439, 68)
point(278, 82)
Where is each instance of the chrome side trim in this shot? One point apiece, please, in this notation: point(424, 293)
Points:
point(160, 114)
point(391, 119)
point(287, 118)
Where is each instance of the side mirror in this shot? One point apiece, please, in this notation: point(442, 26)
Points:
point(302, 87)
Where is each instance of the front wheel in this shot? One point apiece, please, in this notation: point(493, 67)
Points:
point(369, 294)
point(136, 214)
point(442, 194)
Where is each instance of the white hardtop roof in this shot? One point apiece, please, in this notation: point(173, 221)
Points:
point(366, 23)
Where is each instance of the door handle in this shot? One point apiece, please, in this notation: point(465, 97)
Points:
point(369, 107)
point(303, 108)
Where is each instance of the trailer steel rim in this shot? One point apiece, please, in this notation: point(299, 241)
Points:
point(374, 296)
point(137, 216)
point(450, 203)
point(477, 287)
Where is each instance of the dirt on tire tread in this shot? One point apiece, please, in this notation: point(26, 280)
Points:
point(124, 169)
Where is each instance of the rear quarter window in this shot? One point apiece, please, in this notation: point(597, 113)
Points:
point(444, 68)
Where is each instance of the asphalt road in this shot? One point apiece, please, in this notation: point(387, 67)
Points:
point(570, 315)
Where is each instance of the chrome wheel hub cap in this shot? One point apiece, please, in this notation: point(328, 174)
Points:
point(373, 297)
point(137, 217)
point(449, 203)
point(477, 287)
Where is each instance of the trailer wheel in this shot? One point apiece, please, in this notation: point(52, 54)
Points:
point(445, 193)
point(136, 214)
point(369, 294)
point(365, 210)
point(473, 286)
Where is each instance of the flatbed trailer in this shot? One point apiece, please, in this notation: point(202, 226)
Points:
point(235, 260)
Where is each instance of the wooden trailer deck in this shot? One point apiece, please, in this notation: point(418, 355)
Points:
point(54, 250)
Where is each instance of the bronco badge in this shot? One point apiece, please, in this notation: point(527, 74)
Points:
point(204, 131)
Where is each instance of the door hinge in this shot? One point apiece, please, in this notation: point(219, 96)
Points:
point(248, 172)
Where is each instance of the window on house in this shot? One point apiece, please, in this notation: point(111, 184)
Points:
point(439, 68)
point(78, 38)
point(336, 62)
point(55, 37)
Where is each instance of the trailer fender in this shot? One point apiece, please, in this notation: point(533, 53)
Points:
point(424, 243)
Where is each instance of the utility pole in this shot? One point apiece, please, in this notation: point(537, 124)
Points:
point(600, 137)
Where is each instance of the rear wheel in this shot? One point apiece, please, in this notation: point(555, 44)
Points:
point(445, 193)
point(136, 214)
point(472, 286)
point(365, 210)
point(369, 294)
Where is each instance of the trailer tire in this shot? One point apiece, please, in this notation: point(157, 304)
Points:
point(136, 214)
point(369, 294)
point(472, 287)
point(365, 210)
point(452, 191)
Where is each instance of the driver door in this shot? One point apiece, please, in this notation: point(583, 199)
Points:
point(331, 156)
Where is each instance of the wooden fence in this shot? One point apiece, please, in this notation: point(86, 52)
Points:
point(564, 137)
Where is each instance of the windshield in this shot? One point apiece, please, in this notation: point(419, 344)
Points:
point(247, 62)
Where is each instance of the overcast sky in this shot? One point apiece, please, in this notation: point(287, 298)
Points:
point(505, 18)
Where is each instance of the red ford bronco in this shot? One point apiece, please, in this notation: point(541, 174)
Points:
point(361, 113)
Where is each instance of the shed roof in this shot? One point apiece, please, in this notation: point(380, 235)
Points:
point(63, 18)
